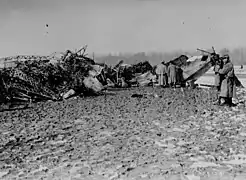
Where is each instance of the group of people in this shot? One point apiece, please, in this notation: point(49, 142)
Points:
point(225, 81)
point(168, 75)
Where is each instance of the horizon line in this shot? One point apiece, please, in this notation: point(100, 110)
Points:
point(129, 53)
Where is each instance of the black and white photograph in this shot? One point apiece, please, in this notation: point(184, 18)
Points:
point(122, 90)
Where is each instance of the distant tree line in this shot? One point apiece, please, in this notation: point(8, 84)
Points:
point(238, 56)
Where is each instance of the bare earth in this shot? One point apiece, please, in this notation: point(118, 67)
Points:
point(179, 135)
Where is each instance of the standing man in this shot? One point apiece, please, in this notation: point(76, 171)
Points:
point(217, 78)
point(161, 69)
point(172, 77)
point(165, 75)
point(227, 83)
point(179, 75)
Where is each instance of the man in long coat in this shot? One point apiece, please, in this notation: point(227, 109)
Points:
point(165, 75)
point(161, 71)
point(172, 77)
point(227, 83)
point(179, 76)
point(217, 77)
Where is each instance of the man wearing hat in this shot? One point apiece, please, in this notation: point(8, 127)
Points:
point(227, 81)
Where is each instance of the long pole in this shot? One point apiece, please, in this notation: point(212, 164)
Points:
point(242, 55)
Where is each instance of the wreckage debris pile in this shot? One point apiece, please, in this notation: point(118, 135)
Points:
point(45, 73)
point(45, 79)
point(77, 68)
point(139, 68)
point(41, 79)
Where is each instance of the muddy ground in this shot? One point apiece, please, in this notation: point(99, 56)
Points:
point(165, 135)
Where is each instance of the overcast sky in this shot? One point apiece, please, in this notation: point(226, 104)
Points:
point(111, 26)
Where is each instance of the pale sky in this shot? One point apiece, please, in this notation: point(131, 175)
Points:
point(112, 26)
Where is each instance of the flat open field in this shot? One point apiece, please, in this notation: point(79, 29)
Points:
point(165, 135)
